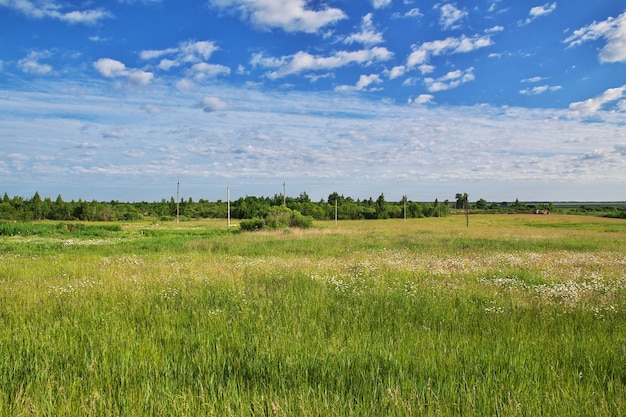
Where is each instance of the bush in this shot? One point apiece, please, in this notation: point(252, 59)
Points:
point(279, 217)
point(251, 224)
point(300, 220)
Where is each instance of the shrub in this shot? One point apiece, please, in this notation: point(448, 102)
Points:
point(300, 220)
point(251, 224)
point(279, 217)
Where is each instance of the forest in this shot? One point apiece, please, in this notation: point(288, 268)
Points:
point(337, 206)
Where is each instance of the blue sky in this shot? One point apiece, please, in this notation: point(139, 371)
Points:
point(502, 99)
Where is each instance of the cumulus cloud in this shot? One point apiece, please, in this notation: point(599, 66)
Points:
point(190, 54)
point(422, 99)
point(422, 53)
point(540, 89)
point(540, 11)
point(31, 65)
point(594, 104)
point(450, 16)
point(204, 70)
point(303, 61)
point(364, 83)
point(415, 12)
point(368, 34)
point(53, 10)
point(451, 80)
point(288, 15)
point(397, 71)
point(379, 4)
point(212, 104)
point(494, 29)
point(612, 30)
point(185, 52)
point(111, 68)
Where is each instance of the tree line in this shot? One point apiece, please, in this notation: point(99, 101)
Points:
point(249, 207)
point(345, 208)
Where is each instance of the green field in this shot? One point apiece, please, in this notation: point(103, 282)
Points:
point(515, 315)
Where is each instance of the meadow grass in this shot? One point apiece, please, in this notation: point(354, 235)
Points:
point(513, 316)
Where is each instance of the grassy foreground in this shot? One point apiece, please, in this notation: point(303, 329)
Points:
point(513, 316)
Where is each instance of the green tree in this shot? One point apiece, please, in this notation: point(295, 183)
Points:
point(382, 212)
point(415, 210)
point(36, 205)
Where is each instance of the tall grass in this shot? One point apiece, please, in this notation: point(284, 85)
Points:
point(370, 318)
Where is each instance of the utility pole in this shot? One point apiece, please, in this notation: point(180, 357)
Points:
point(404, 201)
point(466, 204)
point(177, 201)
point(336, 211)
point(285, 194)
point(228, 204)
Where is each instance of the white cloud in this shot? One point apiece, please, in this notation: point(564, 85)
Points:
point(31, 64)
point(540, 11)
point(303, 61)
point(185, 52)
point(289, 15)
point(422, 99)
point(203, 70)
point(594, 104)
point(540, 89)
point(87, 17)
point(379, 4)
point(450, 16)
point(363, 84)
point(494, 29)
point(156, 53)
point(193, 54)
point(367, 80)
point(53, 10)
point(185, 85)
point(451, 80)
point(368, 34)
point(422, 53)
point(397, 71)
point(426, 69)
point(613, 30)
point(296, 136)
point(415, 12)
point(98, 38)
point(111, 68)
point(532, 80)
point(212, 104)
point(167, 64)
